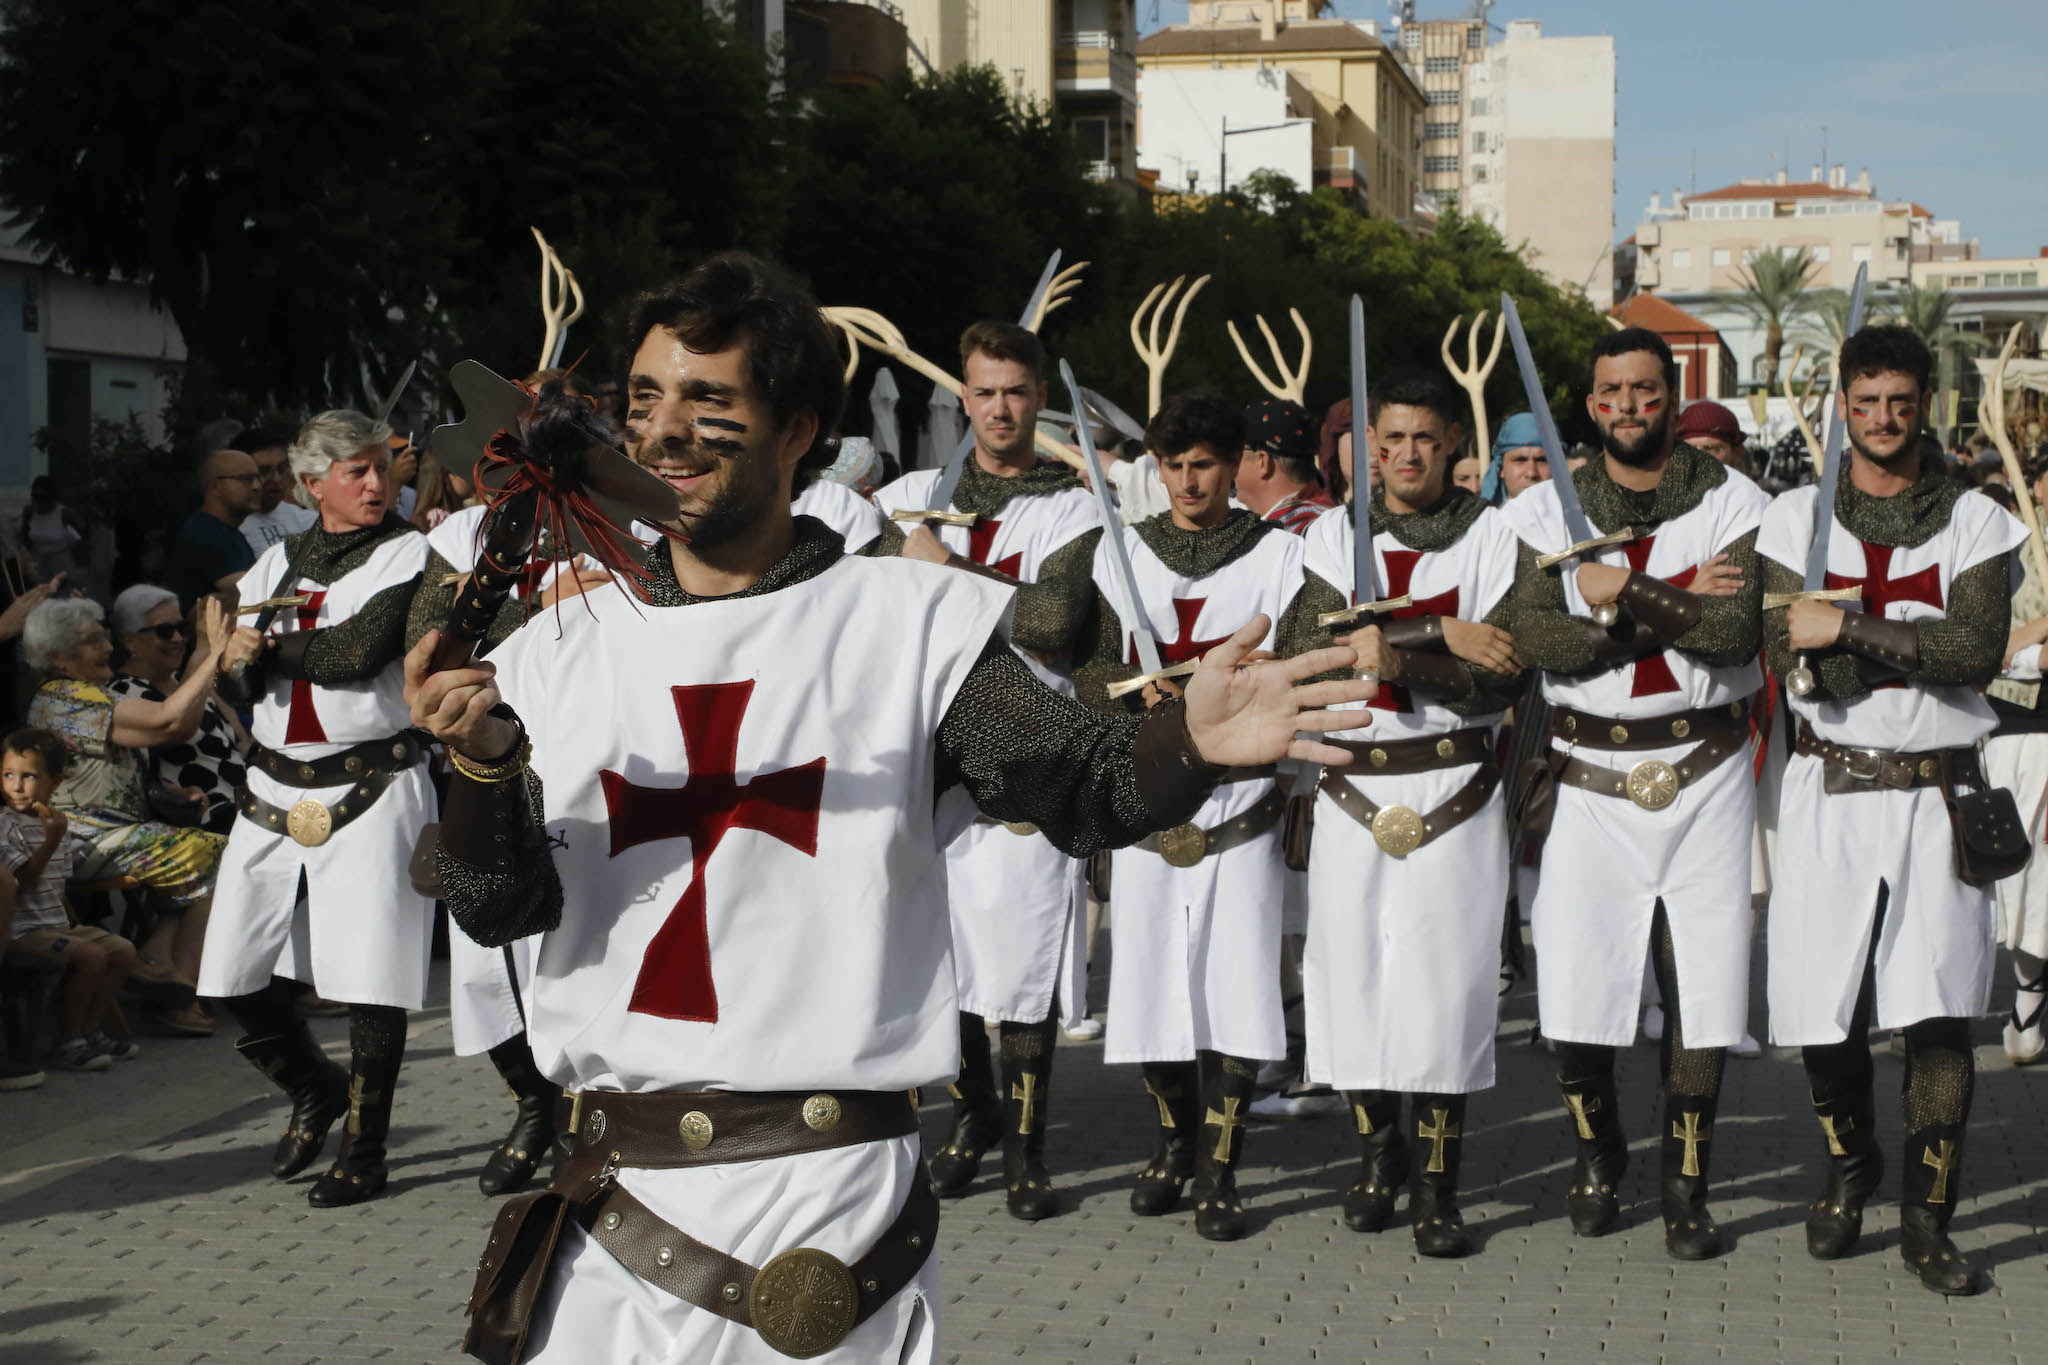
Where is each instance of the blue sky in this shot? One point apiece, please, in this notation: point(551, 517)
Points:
point(1946, 101)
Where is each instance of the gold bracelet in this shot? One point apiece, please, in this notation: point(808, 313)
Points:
point(504, 770)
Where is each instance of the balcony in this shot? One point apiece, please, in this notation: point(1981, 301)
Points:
point(1093, 61)
point(1344, 170)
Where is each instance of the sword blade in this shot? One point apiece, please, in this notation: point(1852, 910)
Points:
point(1576, 527)
point(1831, 453)
point(1365, 577)
point(1142, 637)
point(397, 392)
point(1052, 268)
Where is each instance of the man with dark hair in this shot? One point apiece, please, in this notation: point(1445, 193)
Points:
point(1013, 896)
point(210, 554)
point(1194, 987)
point(276, 515)
point(1648, 853)
point(725, 805)
point(1277, 477)
point(1872, 920)
point(1408, 869)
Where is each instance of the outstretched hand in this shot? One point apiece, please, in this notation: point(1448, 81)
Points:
point(1242, 711)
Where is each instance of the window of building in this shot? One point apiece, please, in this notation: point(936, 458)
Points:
point(1440, 165)
point(1411, 36)
point(1478, 142)
point(1440, 66)
point(1749, 254)
point(1479, 106)
point(1479, 172)
point(1720, 255)
point(1440, 131)
point(1681, 259)
point(1440, 98)
point(1092, 134)
point(1859, 255)
point(1475, 38)
point(2005, 279)
point(1822, 253)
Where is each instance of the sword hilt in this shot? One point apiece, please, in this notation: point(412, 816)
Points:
point(1358, 609)
point(1130, 685)
point(1580, 550)
point(944, 518)
point(273, 604)
point(1774, 600)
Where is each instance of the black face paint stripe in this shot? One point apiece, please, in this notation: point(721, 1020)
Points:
point(722, 424)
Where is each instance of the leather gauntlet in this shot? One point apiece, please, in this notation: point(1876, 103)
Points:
point(1173, 779)
point(1429, 672)
point(1668, 611)
point(485, 824)
point(1895, 645)
point(1415, 633)
point(1626, 641)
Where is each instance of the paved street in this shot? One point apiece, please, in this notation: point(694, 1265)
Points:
point(137, 1223)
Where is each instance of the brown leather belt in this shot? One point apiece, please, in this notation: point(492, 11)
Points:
point(1398, 830)
point(371, 757)
point(1847, 770)
point(670, 1129)
point(1653, 783)
point(1398, 757)
point(1186, 845)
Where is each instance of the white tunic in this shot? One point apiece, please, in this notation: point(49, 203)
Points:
point(1607, 861)
point(1935, 952)
point(741, 797)
point(365, 935)
point(1197, 960)
point(1013, 897)
point(858, 521)
point(1402, 966)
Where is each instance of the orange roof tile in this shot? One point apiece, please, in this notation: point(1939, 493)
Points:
point(1647, 310)
point(1805, 189)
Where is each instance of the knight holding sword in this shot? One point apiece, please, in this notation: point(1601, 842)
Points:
point(1636, 594)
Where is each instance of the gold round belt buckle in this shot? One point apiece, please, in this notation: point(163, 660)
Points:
point(1020, 827)
point(804, 1302)
point(1397, 830)
point(1653, 784)
point(309, 822)
point(1184, 845)
point(695, 1130)
point(821, 1113)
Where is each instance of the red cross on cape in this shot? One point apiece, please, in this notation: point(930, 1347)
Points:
point(1653, 675)
point(302, 723)
point(1400, 574)
point(981, 539)
point(1184, 646)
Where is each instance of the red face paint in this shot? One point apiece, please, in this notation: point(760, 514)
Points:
point(1606, 407)
point(1652, 404)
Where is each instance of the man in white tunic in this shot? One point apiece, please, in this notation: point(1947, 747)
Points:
point(723, 808)
point(1013, 896)
point(1871, 920)
point(1194, 983)
point(1647, 859)
point(336, 796)
point(1408, 868)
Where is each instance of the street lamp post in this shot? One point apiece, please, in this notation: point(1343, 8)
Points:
point(1223, 167)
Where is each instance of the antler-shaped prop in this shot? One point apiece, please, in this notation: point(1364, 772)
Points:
point(557, 286)
point(866, 327)
point(1147, 344)
point(1991, 417)
point(1472, 378)
point(1799, 403)
point(1295, 387)
point(1058, 292)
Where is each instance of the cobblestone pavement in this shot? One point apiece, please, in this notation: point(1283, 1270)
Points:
point(137, 1223)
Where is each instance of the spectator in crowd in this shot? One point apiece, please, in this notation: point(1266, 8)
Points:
point(49, 530)
point(405, 463)
point(1518, 460)
point(1713, 428)
point(276, 515)
point(1335, 447)
point(153, 641)
point(1276, 477)
point(104, 793)
point(95, 963)
point(440, 493)
point(1469, 473)
point(210, 554)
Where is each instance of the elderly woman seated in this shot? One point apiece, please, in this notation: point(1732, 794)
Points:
point(103, 791)
point(151, 640)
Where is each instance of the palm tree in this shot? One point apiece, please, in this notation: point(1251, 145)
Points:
point(1925, 309)
point(1827, 319)
point(1773, 294)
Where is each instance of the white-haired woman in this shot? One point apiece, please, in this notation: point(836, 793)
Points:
point(102, 794)
point(152, 639)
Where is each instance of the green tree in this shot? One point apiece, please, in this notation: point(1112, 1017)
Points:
point(1926, 308)
point(1773, 293)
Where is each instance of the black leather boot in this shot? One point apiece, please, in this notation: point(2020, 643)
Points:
point(376, 1036)
point(1690, 1233)
point(1172, 1087)
point(1226, 1098)
point(977, 1114)
point(533, 1119)
point(1594, 1201)
point(277, 1043)
point(1855, 1167)
point(1433, 1186)
point(1369, 1203)
point(1934, 1158)
point(1027, 1082)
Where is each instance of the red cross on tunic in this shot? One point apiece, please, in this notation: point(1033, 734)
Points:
point(1184, 646)
point(1880, 589)
point(530, 577)
point(302, 723)
point(1653, 675)
point(981, 538)
point(675, 975)
point(1400, 573)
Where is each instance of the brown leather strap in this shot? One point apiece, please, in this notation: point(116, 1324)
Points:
point(1463, 804)
point(670, 1259)
point(1870, 770)
point(1399, 757)
point(278, 819)
point(1649, 732)
point(1653, 784)
point(1238, 830)
point(370, 758)
point(670, 1129)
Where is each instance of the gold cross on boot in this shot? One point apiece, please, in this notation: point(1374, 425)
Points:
point(1364, 1120)
point(1692, 1137)
point(1942, 1164)
point(1228, 1121)
point(1583, 1107)
point(357, 1098)
point(1160, 1096)
point(1829, 1124)
point(1026, 1092)
point(1443, 1131)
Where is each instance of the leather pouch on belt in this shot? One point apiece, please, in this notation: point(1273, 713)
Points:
point(511, 1275)
point(1297, 831)
point(1990, 842)
point(1536, 795)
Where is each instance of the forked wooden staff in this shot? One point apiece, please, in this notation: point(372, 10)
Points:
point(1060, 291)
point(557, 286)
point(1991, 417)
point(866, 327)
point(1799, 402)
point(1292, 386)
point(1473, 376)
point(1146, 343)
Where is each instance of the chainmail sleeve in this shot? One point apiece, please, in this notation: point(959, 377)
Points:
point(887, 545)
point(436, 597)
point(1102, 663)
point(1730, 629)
point(1491, 692)
point(1297, 631)
point(1836, 676)
point(1051, 613)
point(1967, 647)
point(498, 877)
point(358, 648)
point(1547, 635)
point(1088, 781)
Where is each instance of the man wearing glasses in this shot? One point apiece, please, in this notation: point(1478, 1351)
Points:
point(211, 555)
point(276, 516)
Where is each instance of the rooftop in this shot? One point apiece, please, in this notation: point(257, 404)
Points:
point(1665, 319)
point(1805, 189)
point(1313, 35)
